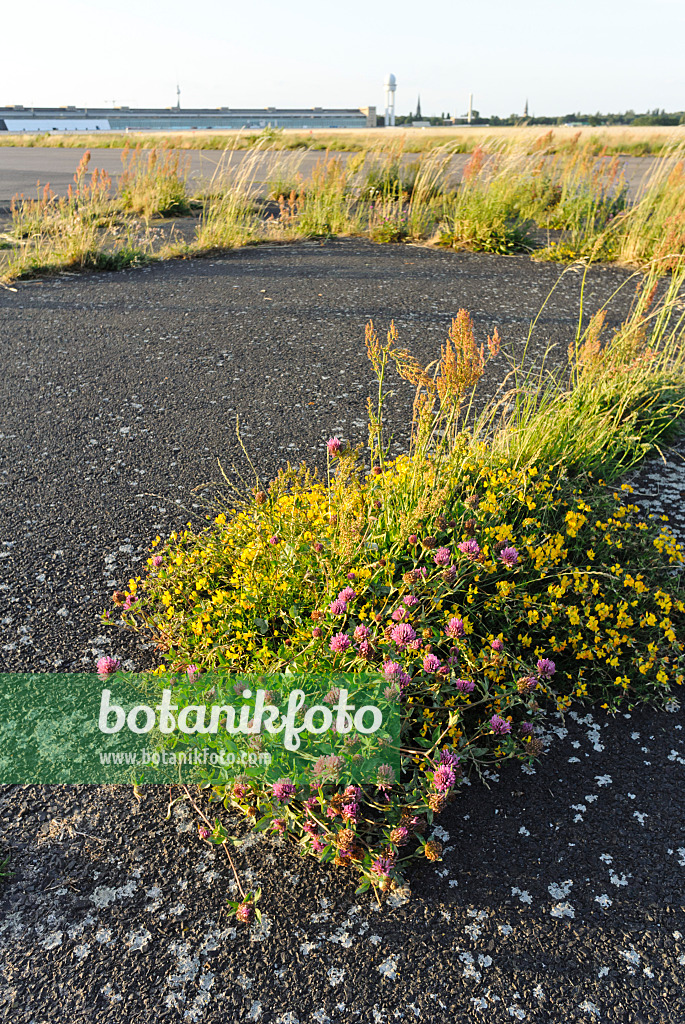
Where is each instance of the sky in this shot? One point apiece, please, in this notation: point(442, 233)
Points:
point(563, 57)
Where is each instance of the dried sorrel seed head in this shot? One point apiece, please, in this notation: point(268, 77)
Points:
point(260, 497)
point(376, 470)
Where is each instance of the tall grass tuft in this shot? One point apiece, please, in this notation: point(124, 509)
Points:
point(154, 184)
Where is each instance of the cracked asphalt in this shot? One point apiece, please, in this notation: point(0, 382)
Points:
point(560, 894)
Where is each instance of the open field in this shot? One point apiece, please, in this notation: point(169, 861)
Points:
point(558, 896)
point(618, 139)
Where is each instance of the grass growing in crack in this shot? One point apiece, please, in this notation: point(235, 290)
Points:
point(488, 575)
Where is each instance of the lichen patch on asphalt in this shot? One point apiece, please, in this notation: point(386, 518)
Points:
point(559, 896)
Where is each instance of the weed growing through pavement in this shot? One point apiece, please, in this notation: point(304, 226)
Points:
point(507, 198)
point(490, 574)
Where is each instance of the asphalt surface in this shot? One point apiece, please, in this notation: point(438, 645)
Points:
point(21, 168)
point(560, 893)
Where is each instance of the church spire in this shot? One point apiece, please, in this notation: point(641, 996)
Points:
point(418, 108)
point(525, 109)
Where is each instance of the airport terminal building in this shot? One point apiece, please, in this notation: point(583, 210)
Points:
point(118, 119)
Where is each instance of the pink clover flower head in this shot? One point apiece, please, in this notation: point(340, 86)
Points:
point(278, 824)
point(283, 790)
point(455, 628)
point(500, 726)
point(526, 728)
point(510, 557)
point(245, 913)
point(391, 693)
point(391, 670)
point(361, 633)
point(410, 600)
point(338, 606)
point(203, 832)
point(332, 695)
point(413, 539)
point(442, 557)
point(350, 812)
point(107, 665)
point(129, 602)
point(157, 560)
point(310, 827)
point(240, 790)
point(546, 668)
point(340, 643)
point(444, 778)
point(465, 685)
point(334, 446)
point(192, 671)
point(449, 759)
point(402, 635)
point(312, 803)
point(431, 664)
point(415, 645)
point(364, 649)
point(497, 645)
point(382, 866)
point(399, 835)
point(352, 793)
point(351, 575)
point(347, 595)
point(470, 548)
point(318, 846)
point(385, 776)
point(317, 633)
point(274, 540)
point(399, 614)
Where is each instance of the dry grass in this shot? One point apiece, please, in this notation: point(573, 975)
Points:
point(612, 139)
point(507, 193)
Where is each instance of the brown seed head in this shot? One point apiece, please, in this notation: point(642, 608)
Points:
point(433, 849)
point(344, 839)
point(437, 802)
point(260, 498)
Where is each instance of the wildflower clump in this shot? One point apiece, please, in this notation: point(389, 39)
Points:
point(482, 590)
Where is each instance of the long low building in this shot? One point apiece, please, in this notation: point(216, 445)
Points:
point(117, 119)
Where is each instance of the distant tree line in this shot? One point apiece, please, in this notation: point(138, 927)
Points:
point(630, 117)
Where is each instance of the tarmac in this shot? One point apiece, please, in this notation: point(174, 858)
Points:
point(560, 893)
